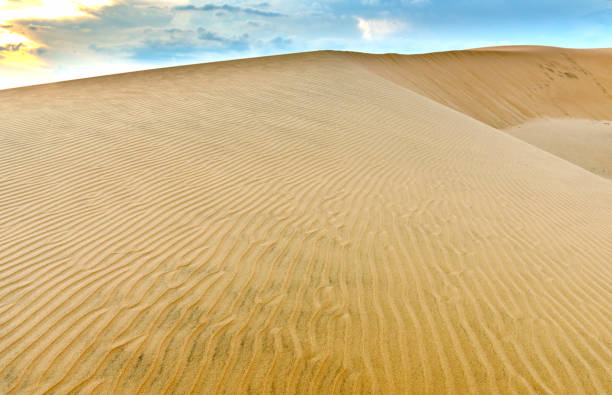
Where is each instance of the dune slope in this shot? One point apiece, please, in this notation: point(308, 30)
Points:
point(546, 96)
point(507, 86)
point(295, 224)
point(585, 142)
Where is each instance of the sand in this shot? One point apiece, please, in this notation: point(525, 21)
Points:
point(584, 142)
point(507, 86)
point(296, 224)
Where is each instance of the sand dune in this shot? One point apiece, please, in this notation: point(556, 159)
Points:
point(585, 142)
point(507, 86)
point(558, 92)
point(295, 224)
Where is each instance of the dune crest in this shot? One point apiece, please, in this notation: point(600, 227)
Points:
point(507, 86)
point(294, 224)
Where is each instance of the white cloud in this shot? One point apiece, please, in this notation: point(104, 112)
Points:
point(374, 29)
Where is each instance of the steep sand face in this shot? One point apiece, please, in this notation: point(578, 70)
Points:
point(585, 142)
point(507, 86)
point(294, 224)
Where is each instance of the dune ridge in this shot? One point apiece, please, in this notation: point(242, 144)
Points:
point(292, 224)
point(507, 86)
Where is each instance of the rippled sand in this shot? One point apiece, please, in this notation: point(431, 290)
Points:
point(314, 223)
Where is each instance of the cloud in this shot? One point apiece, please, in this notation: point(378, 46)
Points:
point(233, 44)
point(374, 29)
point(49, 9)
point(11, 47)
point(20, 43)
point(391, 3)
point(281, 43)
point(177, 44)
point(229, 8)
point(87, 36)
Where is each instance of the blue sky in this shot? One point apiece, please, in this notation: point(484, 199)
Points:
point(49, 40)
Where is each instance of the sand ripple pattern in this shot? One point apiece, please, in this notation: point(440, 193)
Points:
point(288, 225)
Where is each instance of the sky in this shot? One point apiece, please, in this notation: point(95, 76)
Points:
point(53, 40)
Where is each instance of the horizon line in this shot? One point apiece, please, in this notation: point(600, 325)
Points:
point(489, 48)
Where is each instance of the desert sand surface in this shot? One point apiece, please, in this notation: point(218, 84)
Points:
point(310, 223)
point(585, 142)
point(507, 86)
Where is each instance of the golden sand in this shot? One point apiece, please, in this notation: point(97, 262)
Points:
point(506, 86)
point(310, 223)
point(584, 142)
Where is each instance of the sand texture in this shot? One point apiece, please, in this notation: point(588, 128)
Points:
point(585, 142)
point(507, 86)
point(303, 224)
